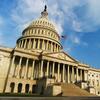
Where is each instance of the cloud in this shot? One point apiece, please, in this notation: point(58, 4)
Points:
point(75, 39)
point(77, 26)
point(62, 12)
point(26, 10)
point(93, 10)
point(78, 16)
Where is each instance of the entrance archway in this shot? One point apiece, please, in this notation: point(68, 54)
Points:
point(19, 87)
point(12, 85)
point(27, 88)
point(33, 88)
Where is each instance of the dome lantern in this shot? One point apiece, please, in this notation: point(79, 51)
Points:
point(44, 14)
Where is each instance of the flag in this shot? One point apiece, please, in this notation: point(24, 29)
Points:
point(63, 36)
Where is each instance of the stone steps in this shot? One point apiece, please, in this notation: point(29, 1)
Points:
point(73, 90)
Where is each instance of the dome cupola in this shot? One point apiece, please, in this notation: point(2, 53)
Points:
point(40, 34)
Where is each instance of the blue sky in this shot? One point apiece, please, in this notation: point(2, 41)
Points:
point(78, 19)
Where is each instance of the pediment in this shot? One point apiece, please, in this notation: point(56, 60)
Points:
point(62, 55)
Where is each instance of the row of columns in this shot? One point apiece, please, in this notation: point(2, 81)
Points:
point(82, 75)
point(38, 44)
point(41, 32)
point(62, 72)
point(13, 68)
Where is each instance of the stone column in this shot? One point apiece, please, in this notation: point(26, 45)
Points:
point(72, 74)
point(12, 67)
point(47, 68)
point(22, 44)
point(29, 44)
point(68, 74)
point(47, 45)
point(41, 68)
point(25, 43)
point(43, 45)
point(81, 74)
point(84, 75)
point(26, 69)
point(58, 71)
point(38, 43)
point(52, 46)
point(32, 76)
point(23, 88)
point(77, 74)
point(19, 67)
point(30, 88)
point(19, 44)
point(16, 88)
point(55, 47)
point(53, 69)
point(34, 43)
point(63, 72)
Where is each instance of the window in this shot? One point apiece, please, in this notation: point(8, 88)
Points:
point(92, 75)
point(97, 82)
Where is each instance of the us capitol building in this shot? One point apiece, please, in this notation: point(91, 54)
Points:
point(38, 64)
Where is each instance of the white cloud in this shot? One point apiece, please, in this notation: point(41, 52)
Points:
point(26, 10)
point(93, 10)
point(61, 12)
point(77, 26)
point(75, 39)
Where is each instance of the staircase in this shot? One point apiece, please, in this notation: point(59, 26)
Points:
point(73, 90)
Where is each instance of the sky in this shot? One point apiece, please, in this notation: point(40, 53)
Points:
point(78, 20)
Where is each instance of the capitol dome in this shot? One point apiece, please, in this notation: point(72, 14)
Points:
point(40, 34)
point(43, 22)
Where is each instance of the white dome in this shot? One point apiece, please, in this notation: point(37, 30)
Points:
point(42, 22)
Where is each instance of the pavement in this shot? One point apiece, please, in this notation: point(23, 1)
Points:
point(51, 98)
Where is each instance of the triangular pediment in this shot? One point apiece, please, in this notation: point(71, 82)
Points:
point(62, 55)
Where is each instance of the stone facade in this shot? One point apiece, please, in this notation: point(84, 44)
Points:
point(38, 53)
